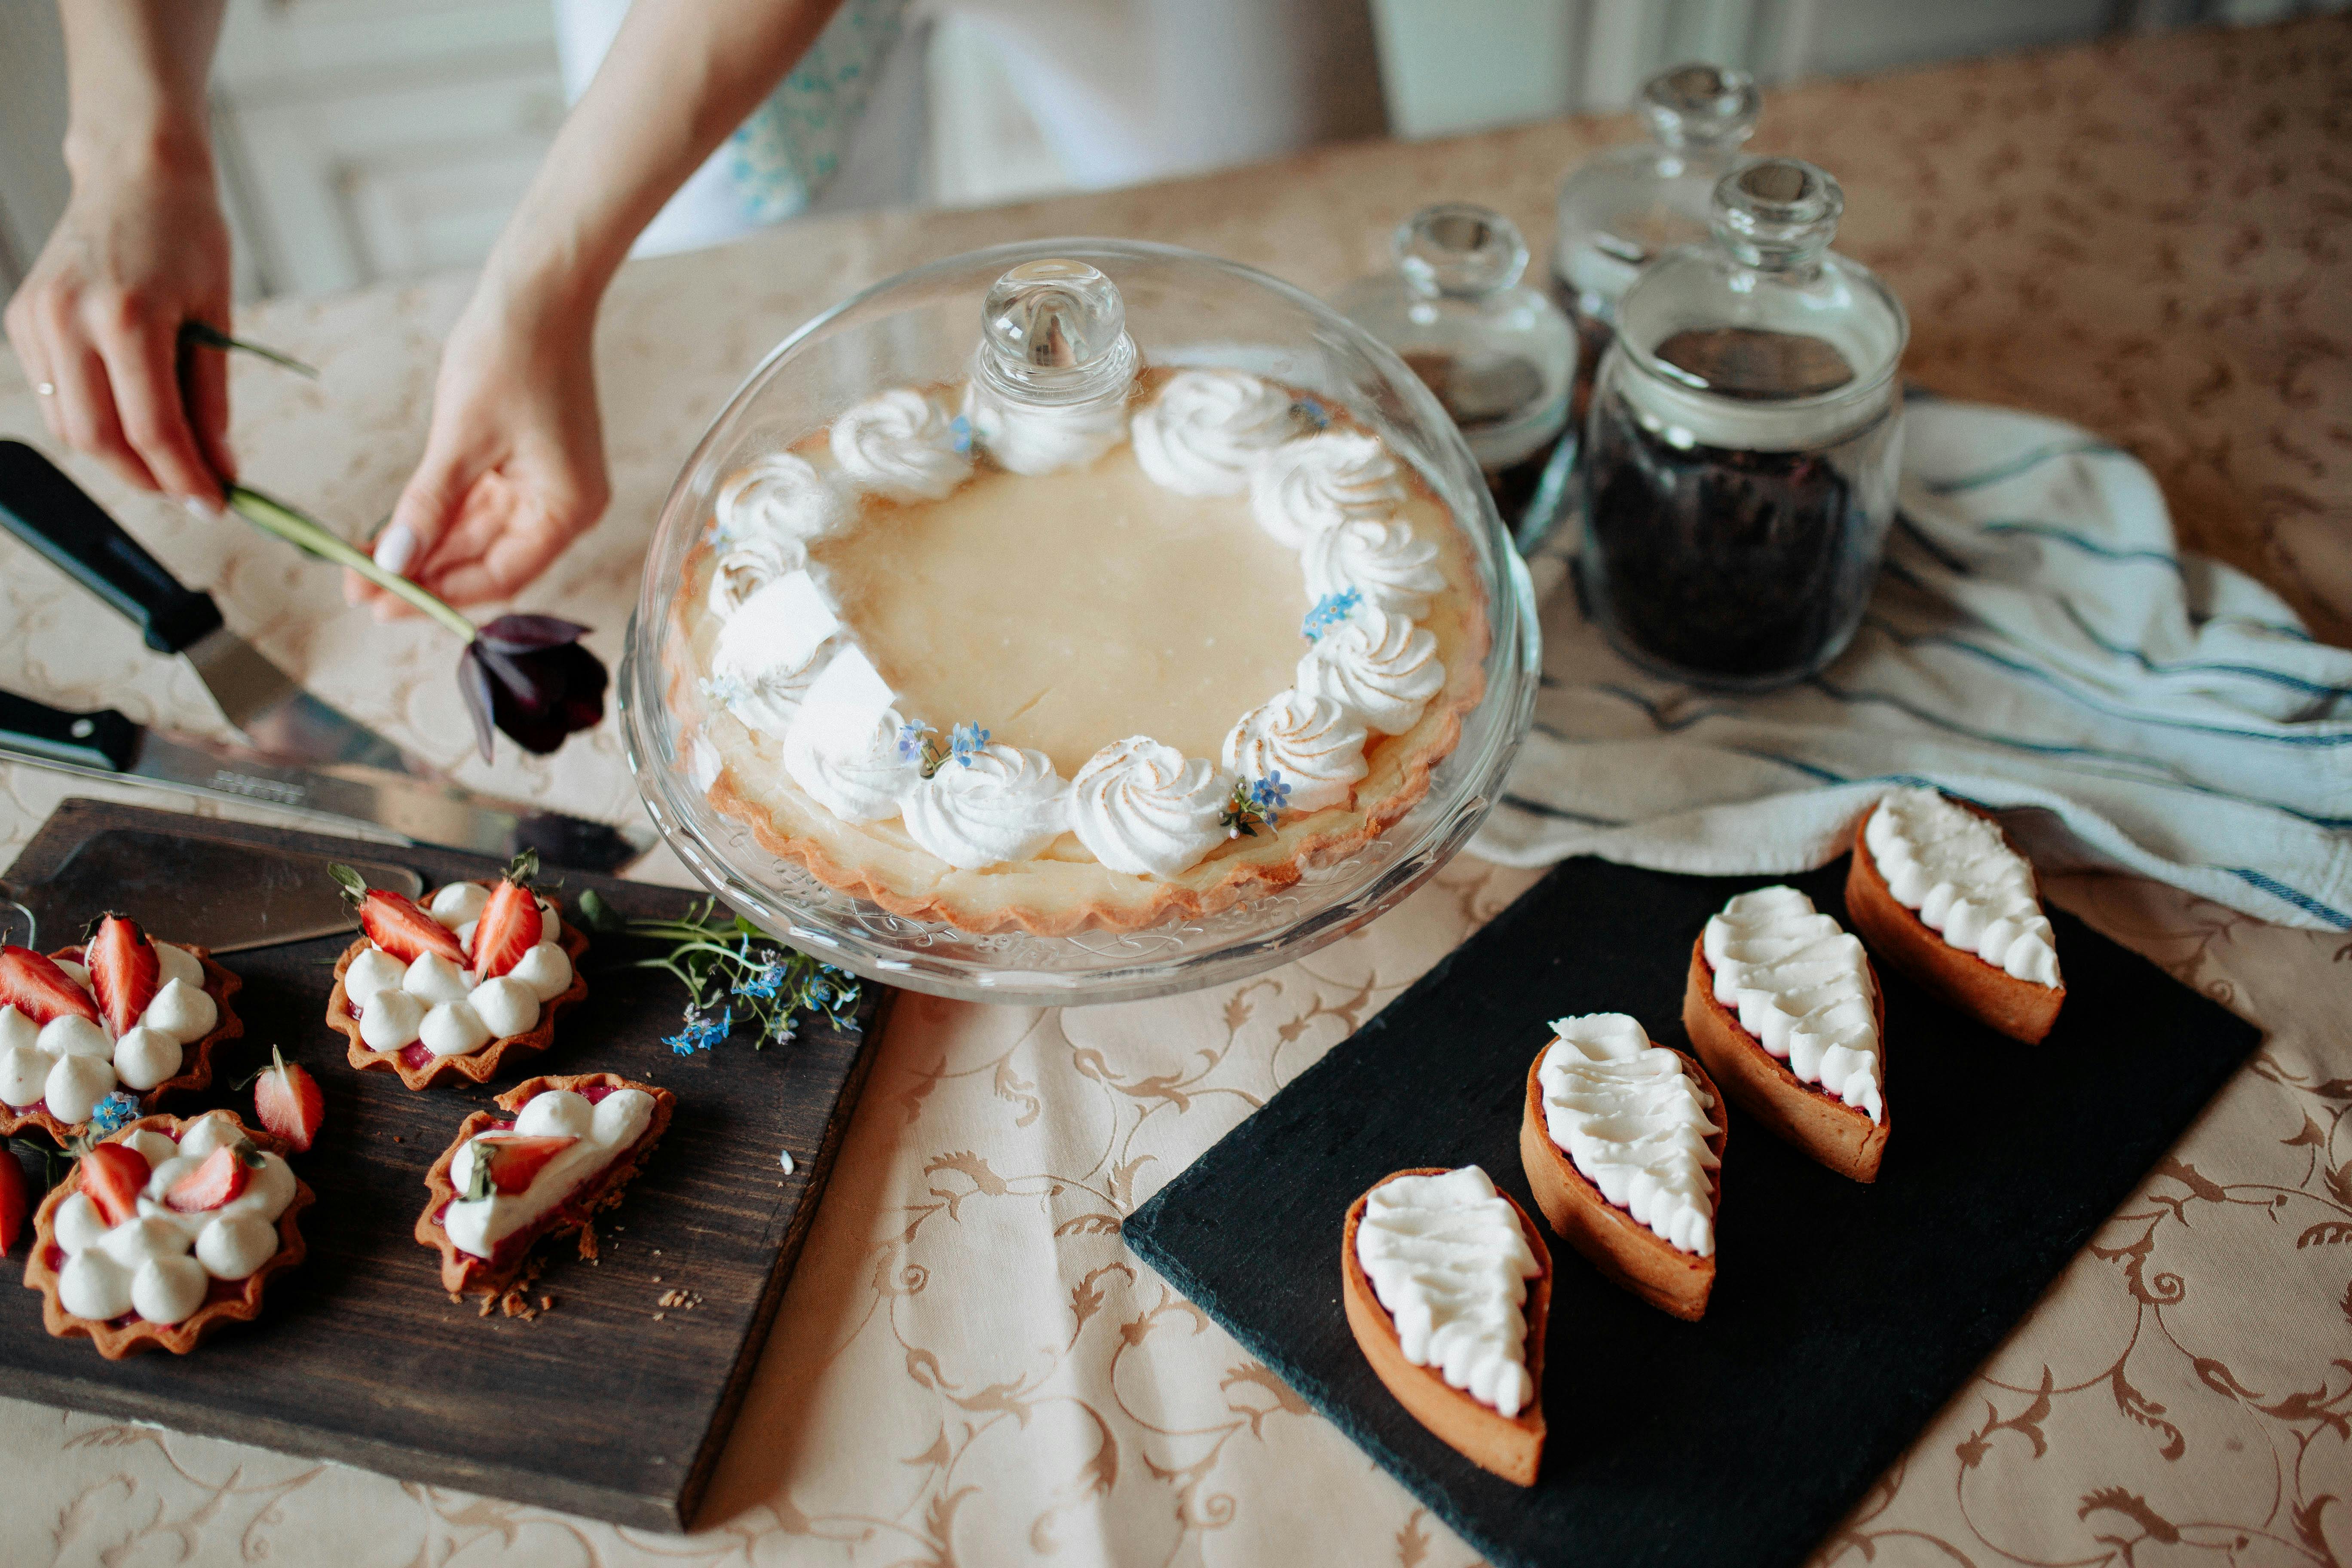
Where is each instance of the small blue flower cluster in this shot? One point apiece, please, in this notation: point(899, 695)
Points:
point(724, 689)
point(1270, 795)
point(962, 428)
point(912, 747)
point(966, 741)
point(1253, 805)
point(114, 1112)
point(1313, 412)
point(701, 1032)
point(1330, 611)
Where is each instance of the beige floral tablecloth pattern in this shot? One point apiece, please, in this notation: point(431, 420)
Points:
point(2154, 238)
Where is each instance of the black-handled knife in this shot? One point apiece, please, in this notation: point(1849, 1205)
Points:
point(48, 510)
point(106, 744)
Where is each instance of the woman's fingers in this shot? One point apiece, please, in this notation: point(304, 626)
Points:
point(204, 380)
point(85, 400)
point(143, 361)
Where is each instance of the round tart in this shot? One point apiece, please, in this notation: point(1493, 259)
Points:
point(425, 992)
point(121, 1014)
point(166, 1229)
point(1013, 669)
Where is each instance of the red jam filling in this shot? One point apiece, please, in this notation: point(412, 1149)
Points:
point(570, 1212)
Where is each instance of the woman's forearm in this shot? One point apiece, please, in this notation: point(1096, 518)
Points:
point(135, 73)
point(681, 75)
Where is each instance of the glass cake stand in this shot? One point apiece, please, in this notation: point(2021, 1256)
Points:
point(1183, 308)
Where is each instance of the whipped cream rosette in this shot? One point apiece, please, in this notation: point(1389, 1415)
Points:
point(902, 445)
point(998, 803)
point(1321, 481)
point(781, 499)
point(1034, 438)
point(1142, 808)
point(771, 651)
point(1379, 667)
point(1206, 431)
point(1315, 745)
point(1389, 566)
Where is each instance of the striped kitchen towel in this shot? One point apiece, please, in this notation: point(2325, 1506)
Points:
point(2036, 644)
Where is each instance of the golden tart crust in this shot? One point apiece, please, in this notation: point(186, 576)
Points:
point(116, 1340)
point(196, 1065)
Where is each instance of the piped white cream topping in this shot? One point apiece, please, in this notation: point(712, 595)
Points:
point(1957, 870)
point(1208, 428)
point(1379, 667)
point(1314, 743)
point(1801, 986)
point(452, 1010)
point(606, 1130)
point(1634, 1123)
point(1044, 438)
point(69, 1064)
point(781, 500)
point(1142, 807)
point(1309, 486)
point(901, 445)
point(742, 570)
point(770, 654)
point(1001, 803)
point(1450, 1262)
point(160, 1262)
point(1390, 566)
point(844, 744)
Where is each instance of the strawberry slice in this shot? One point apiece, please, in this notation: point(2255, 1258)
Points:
point(509, 927)
point(113, 1175)
point(221, 1177)
point(288, 1100)
point(124, 970)
point(397, 924)
point(512, 1162)
point(16, 1199)
point(33, 984)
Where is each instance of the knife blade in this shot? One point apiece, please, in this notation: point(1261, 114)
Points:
point(186, 888)
point(106, 744)
point(48, 511)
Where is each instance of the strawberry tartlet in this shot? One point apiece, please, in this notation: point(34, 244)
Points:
point(168, 1228)
point(452, 984)
point(566, 1148)
point(122, 1013)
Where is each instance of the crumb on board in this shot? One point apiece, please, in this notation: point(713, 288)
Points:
point(677, 1298)
point(659, 1316)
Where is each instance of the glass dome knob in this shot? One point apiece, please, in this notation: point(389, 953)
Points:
point(1055, 331)
point(1459, 250)
point(1701, 105)
point(1778, 214)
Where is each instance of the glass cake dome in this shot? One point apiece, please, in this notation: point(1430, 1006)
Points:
point(1031, 348)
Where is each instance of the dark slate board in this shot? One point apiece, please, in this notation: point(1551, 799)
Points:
point(359, 1355)
point(1842, 1317)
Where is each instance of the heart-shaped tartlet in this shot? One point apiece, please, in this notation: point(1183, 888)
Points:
point(1785, 1011)
point(1641, 1209)
point(1458, 1339)
point(1937, 889)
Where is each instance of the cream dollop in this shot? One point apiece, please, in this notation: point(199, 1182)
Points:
point(1208, 428)
point(1313, 485)
point(780, 498)
point(768, 656)
point(605, 1130)
point(1634, 1123)
point(1390, 565)
point(1801, 986)
point(1379, 667)
point(844, 748)
point(1957, 870)
point(1003, 803)
point(742, 570)
point(1315, 744)
point(1142, 807)
point(144, 1264)
point(901, 445)
point(1450, 1261)
point(1034, 438)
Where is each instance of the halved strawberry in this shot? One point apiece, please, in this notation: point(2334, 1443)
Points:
point(221, 1177)
point(16, 1199)
point(36, 987)
point(509, 927)
point(397, 924)
point(113, 1176)
point(124, 970)
point(512, 1162)
point(288, 1100)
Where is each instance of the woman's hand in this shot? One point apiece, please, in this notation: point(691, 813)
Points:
point(514, 464)
point(141, 249)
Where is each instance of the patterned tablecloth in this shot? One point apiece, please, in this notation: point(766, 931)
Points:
point(2153, 238)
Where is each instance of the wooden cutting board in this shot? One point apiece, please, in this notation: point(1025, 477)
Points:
point(1843, 1316)
point(610, 1404)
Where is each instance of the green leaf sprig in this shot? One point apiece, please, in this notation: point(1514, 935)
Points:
point(725, 964)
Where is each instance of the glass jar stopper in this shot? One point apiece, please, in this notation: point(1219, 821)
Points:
point(1701, 105)
point(1778, 214)
point(1458, 250)
point(1055, 332)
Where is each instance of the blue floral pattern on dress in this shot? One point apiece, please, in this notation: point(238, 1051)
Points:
point(789, 148)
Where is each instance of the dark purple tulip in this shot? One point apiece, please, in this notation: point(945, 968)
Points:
point(529, 676)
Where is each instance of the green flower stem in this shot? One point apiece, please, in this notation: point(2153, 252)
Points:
point(308, 534)
point(203, 334)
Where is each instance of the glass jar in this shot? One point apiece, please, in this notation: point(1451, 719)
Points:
point(1500, 357)
point(1632, 204)
point(1741, 452)
point(1043, 337)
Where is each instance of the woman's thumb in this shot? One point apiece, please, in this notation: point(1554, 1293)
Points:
point(426, 506)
